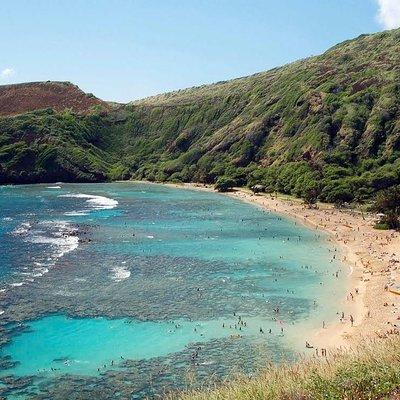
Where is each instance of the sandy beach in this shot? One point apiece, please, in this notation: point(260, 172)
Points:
point(373, 259)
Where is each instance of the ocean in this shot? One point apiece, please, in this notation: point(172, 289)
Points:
point(127, 290)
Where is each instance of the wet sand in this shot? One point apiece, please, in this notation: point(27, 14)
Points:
point(373, 258)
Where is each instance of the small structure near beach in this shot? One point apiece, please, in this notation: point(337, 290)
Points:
point(258, 188)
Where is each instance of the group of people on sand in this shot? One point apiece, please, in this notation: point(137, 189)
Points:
point(373, 255)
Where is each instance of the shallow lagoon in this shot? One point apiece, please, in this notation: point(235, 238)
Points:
point(152, 274)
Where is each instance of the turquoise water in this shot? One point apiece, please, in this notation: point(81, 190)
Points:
point(83, 346)
point(105, 285)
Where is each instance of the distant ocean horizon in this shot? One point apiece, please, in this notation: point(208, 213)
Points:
point(127, 288)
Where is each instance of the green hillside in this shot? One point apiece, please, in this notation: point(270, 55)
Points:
point(327, 126)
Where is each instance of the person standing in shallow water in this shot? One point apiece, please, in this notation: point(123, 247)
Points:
point(196, 289)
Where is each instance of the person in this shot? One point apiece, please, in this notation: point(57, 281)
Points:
point(351, 320)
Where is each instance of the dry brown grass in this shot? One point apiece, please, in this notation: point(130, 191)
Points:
point(369, 371)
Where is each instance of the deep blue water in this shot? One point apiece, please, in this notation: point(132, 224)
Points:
point(101, 284)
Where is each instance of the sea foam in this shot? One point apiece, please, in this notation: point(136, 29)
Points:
point(120, 273)
point(61, 237)
point(22, 229)
point(63, 240)
point(75, 213)
point(97, 202)
point(16, 284)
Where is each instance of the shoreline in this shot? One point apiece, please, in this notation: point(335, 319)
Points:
point(373, 258)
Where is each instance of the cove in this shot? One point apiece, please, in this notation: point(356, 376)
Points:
point(152, 273)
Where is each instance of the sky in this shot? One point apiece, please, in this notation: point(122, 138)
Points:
point(122, 50)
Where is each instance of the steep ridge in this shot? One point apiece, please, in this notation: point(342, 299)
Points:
point(24, 97)
point(327, 126)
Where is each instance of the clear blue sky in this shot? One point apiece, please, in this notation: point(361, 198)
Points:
point(124, 50)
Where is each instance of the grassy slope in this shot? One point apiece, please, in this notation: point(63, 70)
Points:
point(329, 123)
point(336, 115)
point(371, 371)
point(46, 147)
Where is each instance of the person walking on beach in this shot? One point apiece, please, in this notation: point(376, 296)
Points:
point(351, 320)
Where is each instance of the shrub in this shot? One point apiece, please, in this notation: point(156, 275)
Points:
point(388, 202)
point(224, 184)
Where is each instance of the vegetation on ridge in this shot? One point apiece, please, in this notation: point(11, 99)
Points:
point(326, 127)
point(45, 146)
point(370, 371)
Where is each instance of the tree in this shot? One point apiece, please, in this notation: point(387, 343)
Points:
point(337, 192)
point(388, 202)
point(224, 184)
point(310, 195)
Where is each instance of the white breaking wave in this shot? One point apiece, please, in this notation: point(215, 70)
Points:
point(120, 273)
point(75, 213)
point(64, 240)
point(22, 229)
point(40, 270)
point(97, 202)
point(61, 237)
point(53, 187)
